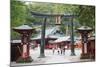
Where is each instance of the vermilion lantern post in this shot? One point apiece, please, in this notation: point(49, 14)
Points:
point(84, 31)
point(25, 31)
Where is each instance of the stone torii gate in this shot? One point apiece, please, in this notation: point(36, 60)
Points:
point(58, 20)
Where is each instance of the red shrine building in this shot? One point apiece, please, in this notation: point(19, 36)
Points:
point(54, 38)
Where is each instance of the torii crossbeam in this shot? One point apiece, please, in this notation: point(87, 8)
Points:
point(54, 15)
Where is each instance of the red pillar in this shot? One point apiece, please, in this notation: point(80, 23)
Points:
point(25, 56)
point(84, 54)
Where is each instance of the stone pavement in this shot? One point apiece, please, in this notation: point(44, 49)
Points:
point(51, 58)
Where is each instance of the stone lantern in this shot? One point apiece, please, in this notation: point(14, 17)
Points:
point(84, 31)
point(25, 31)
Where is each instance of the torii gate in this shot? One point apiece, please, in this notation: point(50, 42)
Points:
point(58, 20)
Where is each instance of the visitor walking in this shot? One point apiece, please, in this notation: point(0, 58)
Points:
point(58, 50)
point(61, 51)
point(64, 51)
point(53, 50)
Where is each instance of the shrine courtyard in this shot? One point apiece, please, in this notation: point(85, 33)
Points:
point(51, 58)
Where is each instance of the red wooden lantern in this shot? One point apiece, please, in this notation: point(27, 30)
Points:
point(84, 31)
point(25, 31)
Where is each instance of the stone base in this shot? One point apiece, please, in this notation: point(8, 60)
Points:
point(24, 60)
point(85, 56)
point(42, 56)
point(73, 54)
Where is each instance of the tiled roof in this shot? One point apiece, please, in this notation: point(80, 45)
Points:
point(49, 32)
point(15, 41)
point(84, 28)
point(23, 27)
point(61, 39)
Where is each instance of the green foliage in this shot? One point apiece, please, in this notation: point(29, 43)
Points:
point(52, 8)
point(87, 15)
point(20, 14)
point(63, 28)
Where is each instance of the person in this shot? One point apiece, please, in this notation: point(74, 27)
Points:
point(64, 51)
point(58, 50)
point(61, 50)
point(53, 49)
point(38, 48)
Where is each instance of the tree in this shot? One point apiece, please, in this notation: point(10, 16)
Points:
point(87, 15)
point(20, 13)
point(18, 16)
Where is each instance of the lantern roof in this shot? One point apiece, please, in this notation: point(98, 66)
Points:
point(85, 28)
point(25, 27)
point(15, 41)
